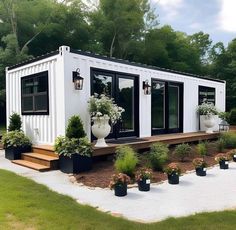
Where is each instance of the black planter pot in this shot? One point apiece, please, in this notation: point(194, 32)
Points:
point(144, 185)
point(120, 190)
point(75, 164)
point(14, 153)
point(224, 164)
point(201, 171)
point(173, 178)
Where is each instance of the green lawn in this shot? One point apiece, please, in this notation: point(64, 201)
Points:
point(27, 205)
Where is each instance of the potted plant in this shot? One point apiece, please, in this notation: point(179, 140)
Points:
point(102, 110)
point(173, 172)
point(15, 143)
point(233, 155)
point(223, 160)
point(74, 149)
point(143, 178)
point(200, 166)
point(119, 184)
point(75, 155)
point(208, 116)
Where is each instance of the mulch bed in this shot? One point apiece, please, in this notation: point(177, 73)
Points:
point(103, 170)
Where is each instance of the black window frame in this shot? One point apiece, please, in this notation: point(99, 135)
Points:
point(34, 94)
point(207, 90)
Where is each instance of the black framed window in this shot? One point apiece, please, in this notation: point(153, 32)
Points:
point(34, 94)
point(207, 94)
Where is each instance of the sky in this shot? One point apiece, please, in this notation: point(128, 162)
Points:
point(215, 17)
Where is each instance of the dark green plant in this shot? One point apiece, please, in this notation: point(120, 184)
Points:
point(202, 149)
point(229, 139)
point(126, 160)
point(232, 117)
point(182, 151)
point(15, 139)
point(68, 146)
point(221, 145)
point(15, 122)
point(224, 116)
point(75, 128)
point(158, 155)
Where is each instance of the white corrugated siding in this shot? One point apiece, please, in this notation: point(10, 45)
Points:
point(41, 128)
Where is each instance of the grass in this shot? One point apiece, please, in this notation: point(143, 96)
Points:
point(27, 205)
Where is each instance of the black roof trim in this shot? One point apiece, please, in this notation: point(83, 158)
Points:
point(34, 59)
point(122, 61)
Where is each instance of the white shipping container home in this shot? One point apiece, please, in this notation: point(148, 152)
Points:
point(42, 91)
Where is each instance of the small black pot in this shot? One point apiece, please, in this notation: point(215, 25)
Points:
point(173, 178)
point(234, 157)
point(14, 153)
point(75, 164)
point(120, 189)
point(201, 171)
point(224, 164)
point(144, 185)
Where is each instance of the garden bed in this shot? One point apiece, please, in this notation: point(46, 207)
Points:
point(103, 170)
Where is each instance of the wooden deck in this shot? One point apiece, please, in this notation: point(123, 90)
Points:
point(145, 143)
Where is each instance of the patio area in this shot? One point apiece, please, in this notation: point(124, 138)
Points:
point(194, 194)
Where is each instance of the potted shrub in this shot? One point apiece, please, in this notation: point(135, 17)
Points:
point(208, 116)
point(75, 155)
point(223, 160)
point(119, 184)
point(173, 172)
point(200, 166)
point(15, 143)
point(233, 155)
point(15, 122)
point(102, 110)
point(143, 178)
point(158, 155)
point(126, 160)
point(182, 151)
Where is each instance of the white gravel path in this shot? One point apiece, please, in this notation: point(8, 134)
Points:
point(215, 192)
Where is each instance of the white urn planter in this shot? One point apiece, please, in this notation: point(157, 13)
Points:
point(209, 123)
point(100, 130)
point(216, 123)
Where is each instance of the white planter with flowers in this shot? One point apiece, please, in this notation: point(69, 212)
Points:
point(103, 110)
point(209, 119)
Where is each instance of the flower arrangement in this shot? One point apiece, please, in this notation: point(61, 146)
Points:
point(119, 180)
point(102, 105)
point(222, 157)
point(144, 174)
point(173, 168)
point(199, 163)
point(207, 109)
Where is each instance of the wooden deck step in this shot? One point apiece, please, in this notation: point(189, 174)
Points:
point(45, 150)
point(35, 166)
point(49, 161)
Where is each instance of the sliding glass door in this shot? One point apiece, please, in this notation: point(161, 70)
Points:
point(167, 107)
point(124, 89)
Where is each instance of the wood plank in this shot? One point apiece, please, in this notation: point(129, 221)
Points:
point(31, 165)
point(41, 156)
point(45, 150)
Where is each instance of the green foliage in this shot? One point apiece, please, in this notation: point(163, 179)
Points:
point(126, 160)
point(68, 146)
point(173, 168)
point(158, 155)
point(232, 117)
point(221, 145)
point(182, 151)
point(75, 128)
point(15, 122)
point(15, 139)
point(224, 116)
point(229, 139)
point(202, 149)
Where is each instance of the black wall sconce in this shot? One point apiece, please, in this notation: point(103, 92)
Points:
point(146, 88)
point(77, 79)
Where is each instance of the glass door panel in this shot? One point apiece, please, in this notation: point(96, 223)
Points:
point(158, 105)
point(126, 101)
point(102, 84)
point(173, 91)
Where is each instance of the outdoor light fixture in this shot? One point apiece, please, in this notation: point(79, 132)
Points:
point(146, 88)
point(78, 80)
point(223, 126)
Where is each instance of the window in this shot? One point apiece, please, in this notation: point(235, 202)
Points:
point(206, 94)
point(34, 94)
